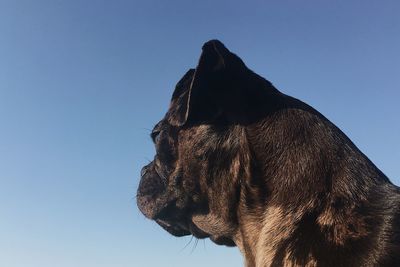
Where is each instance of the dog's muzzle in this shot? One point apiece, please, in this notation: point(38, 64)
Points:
point(152, 196)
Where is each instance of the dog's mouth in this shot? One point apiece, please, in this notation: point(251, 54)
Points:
point(155, 202)
point(179, 229)
point(175, 230)
point(222, 240)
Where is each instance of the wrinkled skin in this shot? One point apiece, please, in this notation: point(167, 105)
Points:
point(245, 165)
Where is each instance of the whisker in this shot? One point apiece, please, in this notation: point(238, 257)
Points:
point(147, 129)
point(187, 244)
point(195, 245)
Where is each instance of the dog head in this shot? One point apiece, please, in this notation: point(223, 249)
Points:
point(195, 182)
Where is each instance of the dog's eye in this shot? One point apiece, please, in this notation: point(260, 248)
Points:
point(155, 136)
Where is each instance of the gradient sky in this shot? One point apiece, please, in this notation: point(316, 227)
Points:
point(83, 82)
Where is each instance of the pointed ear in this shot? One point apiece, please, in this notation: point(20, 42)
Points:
point(206, 87)
point(212, 91)
point(221, 85)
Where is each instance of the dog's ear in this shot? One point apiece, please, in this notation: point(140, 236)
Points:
point(220, 86)
point(179, 102)
point(212, 88)
point(202, 94)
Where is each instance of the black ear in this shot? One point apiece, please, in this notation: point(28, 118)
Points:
point(212, 85)
point(219, 86)
point(177, 113)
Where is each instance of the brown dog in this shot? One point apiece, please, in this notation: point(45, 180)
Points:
point(246, 165)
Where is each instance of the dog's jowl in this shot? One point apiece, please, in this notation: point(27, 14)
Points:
point(245, 165)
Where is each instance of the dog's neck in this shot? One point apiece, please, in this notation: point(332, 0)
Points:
point(264, 242)
point(288, 224)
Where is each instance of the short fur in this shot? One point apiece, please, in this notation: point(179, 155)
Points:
point(246, 165)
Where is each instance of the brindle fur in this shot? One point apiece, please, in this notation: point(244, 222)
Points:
point(246, 165)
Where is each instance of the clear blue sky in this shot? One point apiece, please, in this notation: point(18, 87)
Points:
point(83, 82)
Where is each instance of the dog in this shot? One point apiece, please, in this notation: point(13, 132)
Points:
point(245, 165)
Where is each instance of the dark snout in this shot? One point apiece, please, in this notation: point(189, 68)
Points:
point(158, 203)
point(152, 194)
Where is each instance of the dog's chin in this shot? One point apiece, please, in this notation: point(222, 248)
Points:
point(180, 230)
point(222, 240)
point(175, 230)
point(197, 232)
